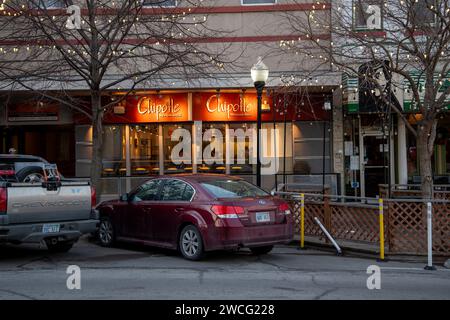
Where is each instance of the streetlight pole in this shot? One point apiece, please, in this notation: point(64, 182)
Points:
point(260, 74)
point(259, 85)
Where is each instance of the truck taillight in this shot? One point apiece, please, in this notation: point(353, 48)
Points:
point(3, 200)
point(93, 197)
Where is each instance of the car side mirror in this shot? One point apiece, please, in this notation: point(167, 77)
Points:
point(124, 197)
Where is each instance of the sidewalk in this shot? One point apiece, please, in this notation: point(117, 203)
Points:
point(361, 249)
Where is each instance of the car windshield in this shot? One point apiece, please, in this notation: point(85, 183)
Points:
point(232, 189)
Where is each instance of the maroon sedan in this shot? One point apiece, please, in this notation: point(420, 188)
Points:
point(197, 213)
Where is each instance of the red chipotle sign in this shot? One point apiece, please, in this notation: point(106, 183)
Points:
point(226, 106)
point(152, 108)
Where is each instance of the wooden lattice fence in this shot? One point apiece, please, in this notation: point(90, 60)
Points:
point(356, 222)
point(441, 229)
point(405, 223)
point(407, 228)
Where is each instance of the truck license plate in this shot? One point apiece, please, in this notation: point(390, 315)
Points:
point(50, 228)
point(262, 217)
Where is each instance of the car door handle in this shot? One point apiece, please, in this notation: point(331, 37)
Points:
point(179, 209)
point(147, 209)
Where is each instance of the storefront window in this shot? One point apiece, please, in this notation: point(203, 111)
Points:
point(413, 172)
point(144, 149)
point(114, 151)
point(442, 151)
point(242, 149)
point(170, 164)
point(312, 148)
point(214, 148)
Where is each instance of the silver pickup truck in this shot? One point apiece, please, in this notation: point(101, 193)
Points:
point(54, 212)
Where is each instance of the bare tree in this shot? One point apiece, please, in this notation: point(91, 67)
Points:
point(103, 45)
point(384, 43)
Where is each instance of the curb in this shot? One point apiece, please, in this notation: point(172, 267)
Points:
point(345, 249)
point(363, 253)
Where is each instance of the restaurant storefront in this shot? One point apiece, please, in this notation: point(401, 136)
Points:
point(144, 132)
point(38, 127)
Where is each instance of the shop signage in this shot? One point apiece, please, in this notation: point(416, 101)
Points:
point(215, 105)
point(160, 109)
point(32, 112)
point(226, 106)
point(152, 108)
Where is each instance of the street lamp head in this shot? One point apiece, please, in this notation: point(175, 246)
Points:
point(259, 71)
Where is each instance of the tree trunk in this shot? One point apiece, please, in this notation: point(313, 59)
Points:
point(97, 141)
point(426, 170)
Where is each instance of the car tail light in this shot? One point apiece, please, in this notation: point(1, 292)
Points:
point(93, 197)
point(284, 208)
point(227, 212)
point(3, 200)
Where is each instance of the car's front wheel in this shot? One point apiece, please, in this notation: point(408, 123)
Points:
point(191, 243)
point(261, 250)
point(106, 232)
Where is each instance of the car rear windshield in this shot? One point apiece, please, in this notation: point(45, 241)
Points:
point(232, 189)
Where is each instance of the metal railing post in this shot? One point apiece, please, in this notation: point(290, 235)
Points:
point(302, 221)
point(429, 265)
point(381, 218)
point(338, 249)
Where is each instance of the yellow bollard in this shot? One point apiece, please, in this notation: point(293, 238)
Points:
point(381, 207)
point(302, 221)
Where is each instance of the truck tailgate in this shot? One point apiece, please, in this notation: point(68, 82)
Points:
point(29, 203)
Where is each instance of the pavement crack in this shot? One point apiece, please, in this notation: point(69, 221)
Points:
point(18, 294)
point(270, 263)
point(326, 292)
point(288, 289)
point(42, 259)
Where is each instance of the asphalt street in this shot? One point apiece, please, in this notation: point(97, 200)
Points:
point(136, 272)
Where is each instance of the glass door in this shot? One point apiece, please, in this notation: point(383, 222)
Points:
point(375, 164)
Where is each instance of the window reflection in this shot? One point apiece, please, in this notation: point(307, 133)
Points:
point(113, 151)
point(169, 165)
point(144, 149)
point(214, 149)
point(243, 151)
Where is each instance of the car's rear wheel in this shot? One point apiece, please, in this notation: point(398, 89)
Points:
point(106, 232)
point(191, 243)
point(61, 246)
point(261, 250)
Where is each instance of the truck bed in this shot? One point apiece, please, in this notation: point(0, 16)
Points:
point(59, 211)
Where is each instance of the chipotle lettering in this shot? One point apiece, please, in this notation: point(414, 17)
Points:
point(216, 105)
point(159, 109)
point(225, 106)
point(152, 108)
